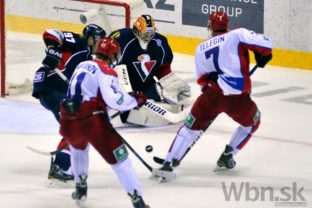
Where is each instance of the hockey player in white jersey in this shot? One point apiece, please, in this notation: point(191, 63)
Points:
point(222, 71)
point(92, 91)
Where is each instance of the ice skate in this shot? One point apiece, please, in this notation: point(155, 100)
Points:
point(226, 160)
point(137, 200)
point(57, 177)
point(80, 194)
point(164, 174)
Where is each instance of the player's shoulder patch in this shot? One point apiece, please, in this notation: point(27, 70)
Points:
point(39, 76)
point(115, 35)
point(160, 40)
point(121, 34)
point(105, 69)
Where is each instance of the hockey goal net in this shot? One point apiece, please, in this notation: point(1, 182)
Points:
point(23, 22)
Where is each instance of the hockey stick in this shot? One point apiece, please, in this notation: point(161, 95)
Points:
point(51, 153)
point(47, 153)
point(61, 75)
point(151, 105)
point(161, 161)
point(166, 175)
point(253, 70)
point(137, 155)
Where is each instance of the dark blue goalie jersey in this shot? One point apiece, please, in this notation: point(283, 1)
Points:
point(74, 49)
point(142, 64)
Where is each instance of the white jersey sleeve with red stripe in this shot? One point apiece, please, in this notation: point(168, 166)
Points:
point(228, 55)
point(94, 77)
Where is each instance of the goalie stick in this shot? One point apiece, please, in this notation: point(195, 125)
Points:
point(151, 105)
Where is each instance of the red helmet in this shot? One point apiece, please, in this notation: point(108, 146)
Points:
point(218, 21)
point(110, 48)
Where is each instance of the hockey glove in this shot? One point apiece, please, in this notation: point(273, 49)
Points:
point(262, 60)
point(174, 88)
point(53, 57)
point(140, 98)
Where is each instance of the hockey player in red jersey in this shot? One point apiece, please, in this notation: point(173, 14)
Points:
point(222, 71)
point(64, 50)
point(93, 90)
point(148, 56)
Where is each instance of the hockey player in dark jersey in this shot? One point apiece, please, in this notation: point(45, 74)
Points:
point(147, 56)
point(64, 50)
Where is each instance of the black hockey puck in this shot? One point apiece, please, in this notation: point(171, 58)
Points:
point(149, 148)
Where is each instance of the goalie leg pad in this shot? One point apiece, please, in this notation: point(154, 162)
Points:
point(145, 117)
point(185, 138)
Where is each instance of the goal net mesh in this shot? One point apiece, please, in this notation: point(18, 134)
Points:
point(25, 22)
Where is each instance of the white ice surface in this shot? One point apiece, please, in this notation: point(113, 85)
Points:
point(279, 154)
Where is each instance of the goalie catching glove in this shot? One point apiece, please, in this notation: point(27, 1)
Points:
point(140, 98)
point(53, 57)
point(174, 88)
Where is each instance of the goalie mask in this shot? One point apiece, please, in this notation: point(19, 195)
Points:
point(144, 29)
point(109, 49)
point(218, 22)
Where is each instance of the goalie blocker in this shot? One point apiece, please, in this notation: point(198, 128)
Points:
point(154, 113)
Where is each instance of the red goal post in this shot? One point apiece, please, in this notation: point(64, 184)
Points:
point(21, 45)
point(114, 3)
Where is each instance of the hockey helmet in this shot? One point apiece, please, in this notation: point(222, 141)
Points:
point(109, 48)
point(144, 28)
point(218, 21)
point(95, 31)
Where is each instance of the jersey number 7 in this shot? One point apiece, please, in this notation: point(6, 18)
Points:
point(215, 56)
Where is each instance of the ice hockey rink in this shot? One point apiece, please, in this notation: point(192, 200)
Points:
point(273, 170)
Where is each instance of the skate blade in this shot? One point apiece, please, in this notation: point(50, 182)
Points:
point(55, 183)
point(218, 169)
point(158, 179)
point(82, 202)
point(162, 176)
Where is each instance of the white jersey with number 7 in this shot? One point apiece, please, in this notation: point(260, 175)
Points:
point(228, 55)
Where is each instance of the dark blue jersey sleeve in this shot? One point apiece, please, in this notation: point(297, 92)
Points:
point(168, 52)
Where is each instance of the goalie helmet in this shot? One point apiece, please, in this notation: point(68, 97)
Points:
point(144, 29)
point(110, 49)
point(218, 21)
point(95, 31)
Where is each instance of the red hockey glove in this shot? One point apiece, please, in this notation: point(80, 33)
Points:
point(140, 97)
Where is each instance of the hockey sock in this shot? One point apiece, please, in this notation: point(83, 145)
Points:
point(241, 137)
point(184, 139)
point(127, 176)
point(62, 159)
point(80, 162)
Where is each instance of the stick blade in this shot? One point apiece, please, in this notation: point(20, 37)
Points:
point(158, 160)
point(38, 151)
